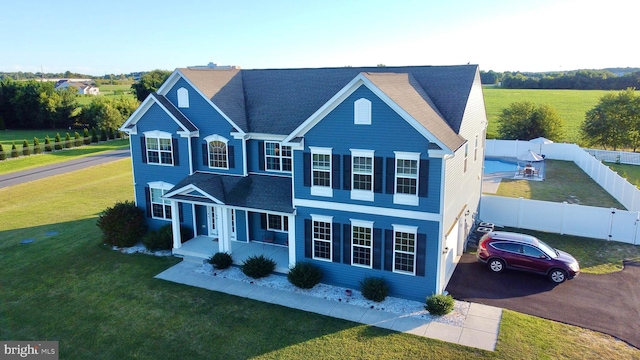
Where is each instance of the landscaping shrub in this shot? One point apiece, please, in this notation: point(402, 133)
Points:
point(439, 304)
point(67, 141)
point(94, 135)
point(57, 140)
point(36, 146)
point(122, 225)
point(375, 289)
point(221, 260)
point(304, 275)
point(258, 266)
point(76, 139)
point(85, 135)
point(162, 239)
point(3, 156)
point(47, 144)
point(26, 151)
point(14, 151)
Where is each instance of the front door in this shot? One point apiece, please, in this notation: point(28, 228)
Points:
point(212, 219)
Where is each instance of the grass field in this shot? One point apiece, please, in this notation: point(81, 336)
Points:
point(571, 105)
point(103, 304)
point(629, 172)
point(108, 91)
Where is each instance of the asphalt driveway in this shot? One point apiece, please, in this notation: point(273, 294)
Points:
point(607, 303)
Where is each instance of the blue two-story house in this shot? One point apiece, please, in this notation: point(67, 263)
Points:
point(361, 171)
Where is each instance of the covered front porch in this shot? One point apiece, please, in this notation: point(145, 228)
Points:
point(201, 248)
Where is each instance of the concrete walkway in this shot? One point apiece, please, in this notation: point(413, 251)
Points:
point(480, 329)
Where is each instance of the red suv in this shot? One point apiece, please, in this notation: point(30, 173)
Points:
point(506, 250)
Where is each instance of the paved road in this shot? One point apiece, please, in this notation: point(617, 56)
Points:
point(607, 303)
point(61, 168)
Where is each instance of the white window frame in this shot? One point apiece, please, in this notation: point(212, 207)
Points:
point(211, 138)
point(405, 230)
point(466, 156)
point(359, 194)
point(284, 223)
point(406, 199)
point(362, 112)
point(327, 220)
point(158, 136)
point(367, 225)
point(321, 190)
point(279, 156)
point(475, 150)
point(183, 98)
point(163, 187)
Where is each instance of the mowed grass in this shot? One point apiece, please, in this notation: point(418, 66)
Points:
point(571, 106)
point(29, 162)
point(629, 172)
point(103, 304)
point(108, 91)
point(8, 137)
point(564, 181)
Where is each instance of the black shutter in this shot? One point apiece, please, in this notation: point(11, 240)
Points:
point(261, 165)
point(377, 174)
point(308, 243)
point(391, 175)
point(346, 185)
point(147, 197)
point(335, 168)
point(377, 248)
point(176, 156)
point(205, 154)
point(263, 221)
point(346, 245)
point(231, 157)
point(180, 213)
point(388, 250)
point(143, 149)
point(335, 239)
point(424, 178)
point(421, 248)
point(306, 162)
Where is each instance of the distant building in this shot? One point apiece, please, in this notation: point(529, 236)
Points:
point(84, 88)
point(212, 65)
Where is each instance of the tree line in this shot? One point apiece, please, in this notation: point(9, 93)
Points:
point(578, 80)
point(38, 105)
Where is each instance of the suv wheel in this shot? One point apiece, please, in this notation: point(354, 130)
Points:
point(558, 276)
point(496, 265)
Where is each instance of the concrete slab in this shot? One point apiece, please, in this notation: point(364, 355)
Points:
point(444, 332)
point(291, 300)
point(486, 311)
point(478, 339)
point(264, 294)
point(318, 305)
point(348, 312)
point(379, 318)
point(482, 324)
point(411, 325)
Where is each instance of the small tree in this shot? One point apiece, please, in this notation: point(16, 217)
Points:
point(14, 151)
point(26, 151)
point(57, 144)
point(525, 121)
point(86, 136)
point(76, 139)
point(37, 149)
point(67, 141)
point(47, 144)
point(94, 135)
point(614, 122)
point(3, 156)
point(122, 225)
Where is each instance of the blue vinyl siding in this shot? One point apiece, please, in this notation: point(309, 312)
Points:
point(241, 225)
point(342, 274)
point(387, 133)
point(256, 159)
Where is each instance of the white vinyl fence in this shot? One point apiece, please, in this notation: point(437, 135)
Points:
point(572, 219)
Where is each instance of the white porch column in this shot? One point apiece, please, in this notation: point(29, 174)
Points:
point(292, 240)
point(175, 224)
point(224, 241)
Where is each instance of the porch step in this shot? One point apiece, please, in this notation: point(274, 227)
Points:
point(189, 256)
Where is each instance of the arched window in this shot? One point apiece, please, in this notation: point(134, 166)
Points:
point(218, 152)
point(362, 112)
point(183, 98)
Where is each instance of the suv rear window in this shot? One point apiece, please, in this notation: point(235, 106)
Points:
point(507, 246)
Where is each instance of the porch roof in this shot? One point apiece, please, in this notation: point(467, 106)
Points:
point(261, 192)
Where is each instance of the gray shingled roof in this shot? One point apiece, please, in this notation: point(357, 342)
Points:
point(263, 192)
point(175, 112)
point(277, 101)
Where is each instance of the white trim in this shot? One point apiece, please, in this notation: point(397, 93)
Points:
point(406, 199)
point(157, 134)
point(160, 185)
point(143, 108)
point(366, 209)
point(317, 190)
point(282, 221)
point(280, 157)
point(323, 219)
point(362, 112)
point(362, 224)
point(215, 137)
point(163, 187)
point(408, 230)
point(183, 97)
point(359, 194)
point(266, 137)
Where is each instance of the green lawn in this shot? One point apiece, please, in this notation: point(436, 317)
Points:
point(564, 181)
point(629, 172)
point(571, 105)
point(103, 304)
point(108, 91)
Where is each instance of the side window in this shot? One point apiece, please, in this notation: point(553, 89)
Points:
point(507, 246)
point(158, 148)
point(217, 152)
point(532, 251)
point(277, 157)
point(362, 243)
point(159, 208)
point(404, 249)
point(466, 155)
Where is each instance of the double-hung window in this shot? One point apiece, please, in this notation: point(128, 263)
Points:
point(321, 171)
point(159, 147)
point(404, 249)
point(362, 175)
point(277, 222)
point(322, 244)
point(217, 152)
point(362, 243)
point(466, 155)
point(160, 208)
point(277, 156)
point(407, 170)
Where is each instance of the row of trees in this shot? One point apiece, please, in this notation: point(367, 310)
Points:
point(38, 105)
point(579, 80)
point(613, 123)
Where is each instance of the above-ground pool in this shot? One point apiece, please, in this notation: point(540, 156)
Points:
point(495, 165)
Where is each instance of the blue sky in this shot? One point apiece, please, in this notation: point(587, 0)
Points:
point(115, 36)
